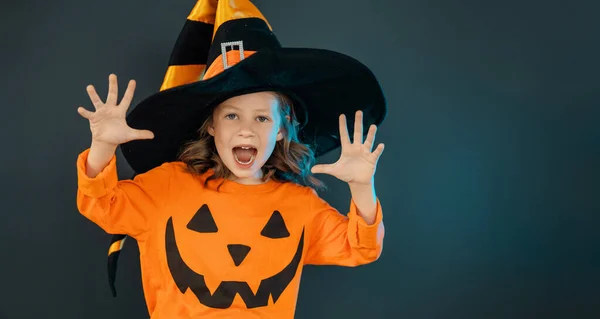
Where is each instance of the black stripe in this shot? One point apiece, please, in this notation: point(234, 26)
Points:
point(112, 271)
point(253, 31)
point(112, 263)
point(116, 238)
point(192, 44)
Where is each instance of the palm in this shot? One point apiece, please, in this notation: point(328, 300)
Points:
point(109, 126)
point(107, 123)
point(357, 162)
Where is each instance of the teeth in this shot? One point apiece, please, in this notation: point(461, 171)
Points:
point(243, 163)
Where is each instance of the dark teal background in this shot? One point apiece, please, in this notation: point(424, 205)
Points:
point(489, 181)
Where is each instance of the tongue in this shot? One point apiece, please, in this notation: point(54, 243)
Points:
point(244, 155)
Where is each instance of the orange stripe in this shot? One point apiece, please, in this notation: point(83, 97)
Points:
point(182, 74)
point(236, 9)
point(116, 246)
point(233, 58)
point(204, 11)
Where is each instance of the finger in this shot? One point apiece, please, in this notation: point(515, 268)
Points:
point(378, 151)
point(128, 96)
point(85, 113)
point(91, 90)
point(320, 169)
point(113, 90)
point(358, 128)
point(371, 137)
point(344, 137)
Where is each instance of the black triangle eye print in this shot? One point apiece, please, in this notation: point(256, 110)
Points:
point(275, 227)
point(203, 221)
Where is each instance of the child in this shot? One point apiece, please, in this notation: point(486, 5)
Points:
point(223, 207)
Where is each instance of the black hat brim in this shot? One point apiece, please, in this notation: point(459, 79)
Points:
point(322, 85)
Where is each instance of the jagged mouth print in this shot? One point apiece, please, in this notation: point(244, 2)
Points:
point(185, 278)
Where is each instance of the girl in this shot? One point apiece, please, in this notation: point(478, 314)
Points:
point(225, 227)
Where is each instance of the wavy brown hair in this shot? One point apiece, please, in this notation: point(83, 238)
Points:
point(290, 161)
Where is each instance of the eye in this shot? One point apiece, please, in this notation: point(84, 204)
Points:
point(231, 116)
point(262, 118)
point(275, 227)
point(203, 221)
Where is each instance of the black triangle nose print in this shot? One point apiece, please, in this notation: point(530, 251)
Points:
point(238, 253)
point(275, 227)
point(203, 221)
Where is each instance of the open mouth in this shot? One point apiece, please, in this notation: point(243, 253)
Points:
point(244, 155)
point(185, 278)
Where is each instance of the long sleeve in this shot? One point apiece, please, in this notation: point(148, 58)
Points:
point(335, 239)
point(121, 207)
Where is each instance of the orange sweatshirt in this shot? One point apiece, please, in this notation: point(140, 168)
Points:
point(233, 253)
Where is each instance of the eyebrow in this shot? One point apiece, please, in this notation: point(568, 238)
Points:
point(230, 106)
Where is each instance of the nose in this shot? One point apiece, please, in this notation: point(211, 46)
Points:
point(238, 253)
point(246, 129)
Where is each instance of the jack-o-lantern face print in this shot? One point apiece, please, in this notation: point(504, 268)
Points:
point(185, 278)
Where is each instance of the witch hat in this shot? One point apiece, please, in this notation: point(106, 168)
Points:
point(228, 48)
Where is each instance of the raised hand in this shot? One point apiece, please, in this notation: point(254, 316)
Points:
point(357, 162)
point(108, 123)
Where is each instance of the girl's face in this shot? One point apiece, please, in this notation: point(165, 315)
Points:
point(245, 129)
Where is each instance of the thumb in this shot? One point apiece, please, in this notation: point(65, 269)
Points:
point(142, 135)
point(321, 169)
